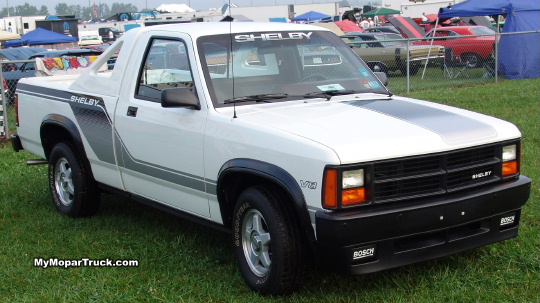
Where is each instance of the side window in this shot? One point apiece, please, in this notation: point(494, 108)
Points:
point(166, 65)
point(441, 34)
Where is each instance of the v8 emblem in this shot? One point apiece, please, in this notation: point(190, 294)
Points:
point(308, 184)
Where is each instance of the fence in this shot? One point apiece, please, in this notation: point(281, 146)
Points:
point(10, 73)
point(411, 64)
point(415, 64)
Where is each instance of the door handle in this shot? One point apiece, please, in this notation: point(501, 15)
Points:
point(132, 111)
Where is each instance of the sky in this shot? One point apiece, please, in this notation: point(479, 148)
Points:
point(195, 4)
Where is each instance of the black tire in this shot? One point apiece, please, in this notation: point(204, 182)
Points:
point(269, 246)
point(474, 60)
point(72, 186)
point(378, 67)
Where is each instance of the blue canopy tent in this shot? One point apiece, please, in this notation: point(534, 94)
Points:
point(40, 36)
point(310, 16)
point(518, 55)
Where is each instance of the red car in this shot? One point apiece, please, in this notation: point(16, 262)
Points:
point(469, 49)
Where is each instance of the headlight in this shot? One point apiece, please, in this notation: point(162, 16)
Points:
point(344, 188)
point(353, 178)
point(510, 164)
point(509, 153)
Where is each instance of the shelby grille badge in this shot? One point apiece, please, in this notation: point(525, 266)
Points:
point(482, 175)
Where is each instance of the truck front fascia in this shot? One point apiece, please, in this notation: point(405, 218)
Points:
point(422, 230)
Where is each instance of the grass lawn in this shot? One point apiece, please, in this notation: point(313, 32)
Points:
point(184, 262)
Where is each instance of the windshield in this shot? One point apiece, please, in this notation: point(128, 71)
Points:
point(282, 66)
point(481, 30)
point(390, 40)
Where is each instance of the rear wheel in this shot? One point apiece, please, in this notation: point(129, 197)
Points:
point(72, 187)
point(473, 59)
point(268, 242)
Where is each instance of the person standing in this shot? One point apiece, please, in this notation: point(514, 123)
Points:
point(365, 23)
point(424, 18)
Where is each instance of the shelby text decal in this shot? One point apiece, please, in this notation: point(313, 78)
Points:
point(87, 100)
point(272, 36)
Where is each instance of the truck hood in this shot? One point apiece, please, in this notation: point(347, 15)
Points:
point(363, 128)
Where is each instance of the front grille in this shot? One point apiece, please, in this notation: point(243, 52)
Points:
point(431, 175)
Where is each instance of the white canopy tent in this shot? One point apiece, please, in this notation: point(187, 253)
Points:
point(175, 8)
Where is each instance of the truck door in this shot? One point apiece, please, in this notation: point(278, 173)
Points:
point(160, 150)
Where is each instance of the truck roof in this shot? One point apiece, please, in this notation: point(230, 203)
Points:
point(215, 28)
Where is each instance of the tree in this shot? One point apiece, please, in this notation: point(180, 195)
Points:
point(23, 10)
point(43, 10)
point(104, 11)
point(123, 8)
point(62, 9)
point(4, 12)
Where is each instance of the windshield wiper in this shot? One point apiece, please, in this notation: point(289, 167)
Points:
point(388, 94)
point(257, 98)
point(329, 93)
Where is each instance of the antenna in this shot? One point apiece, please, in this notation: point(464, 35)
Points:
point(229, 55)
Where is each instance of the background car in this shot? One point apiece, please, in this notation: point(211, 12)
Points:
point(17, 53)
point(66, 52)
point(388, 52)
point(463, 42)
point(27, 69)
point(382, 29)
point(89, 38)
point(104, 32)
point(99, 47)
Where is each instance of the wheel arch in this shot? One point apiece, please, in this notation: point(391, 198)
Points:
point(239, 174)
point(56, 128)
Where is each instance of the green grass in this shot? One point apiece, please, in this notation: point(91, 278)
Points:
point(184, 262)
point(434, 78)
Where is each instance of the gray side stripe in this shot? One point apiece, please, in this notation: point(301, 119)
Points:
point(92, 117)
point(453, 128)
point(163, 173)
point(96, 125)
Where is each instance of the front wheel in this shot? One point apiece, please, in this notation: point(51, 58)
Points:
point(268, 243)
point(72, 186)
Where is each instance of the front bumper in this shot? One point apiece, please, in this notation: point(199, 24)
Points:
point(386, 236)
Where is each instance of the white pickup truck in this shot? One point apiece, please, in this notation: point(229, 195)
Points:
point(280, 135)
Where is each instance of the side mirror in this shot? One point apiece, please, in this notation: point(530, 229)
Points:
point(179, 97)
point(382, 77)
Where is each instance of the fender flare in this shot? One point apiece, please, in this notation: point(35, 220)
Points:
point(272, 173)
point(65, 123)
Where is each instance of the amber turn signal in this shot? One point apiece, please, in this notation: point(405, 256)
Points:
point(330, 189)
point(353, 196)
point(509, 168)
